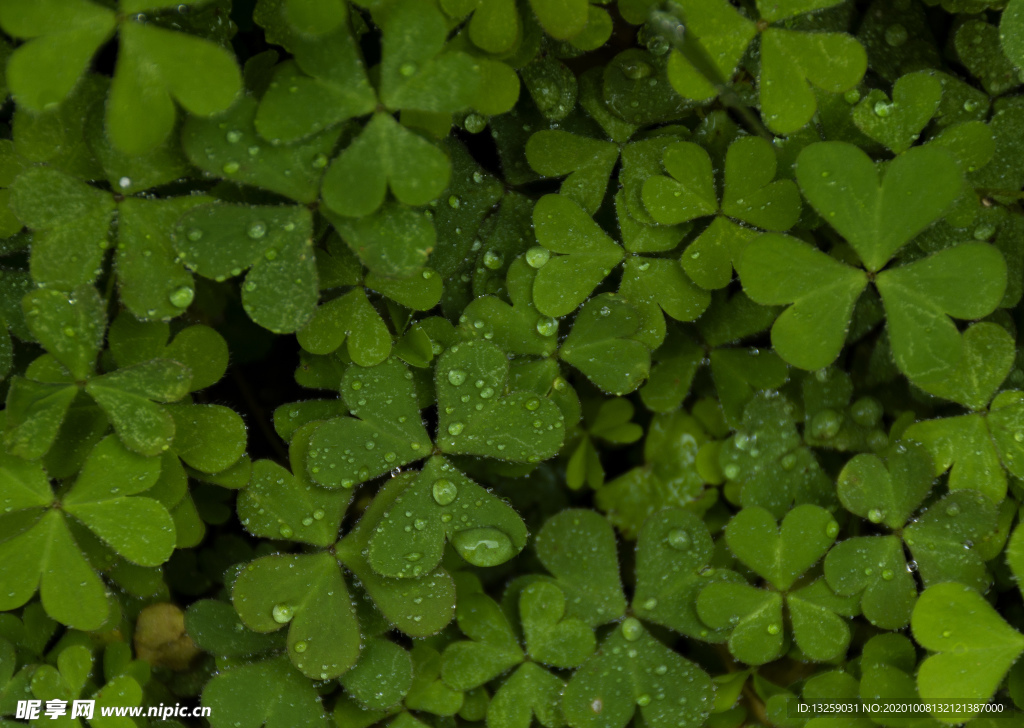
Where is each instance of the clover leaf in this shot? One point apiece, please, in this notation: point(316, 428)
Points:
point(531, 692)
point(585, 163)
point(974, 645)
point(444, 505)
point(218, 241)
point(749, 194)
point(154, 66)
point(269, 693)
point(840, 181)
point(791, 60)
point(43, 551)
point(674, 550)
point(584, 256)
point(491, 650)
point(941, 540)
point(70, 326)
point(608, 325)
point(668, 478)
point(632, 670)
point(978, 448)
point(766, 459)
point(897, 123)
point(579, 537)
point(806, 534)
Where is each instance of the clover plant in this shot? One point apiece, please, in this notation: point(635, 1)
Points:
point(512, 363)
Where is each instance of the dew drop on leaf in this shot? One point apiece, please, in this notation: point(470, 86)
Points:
point(632, 629)
point(282, 613)
point(483, 546)
point(679, 539)
point(444, 491)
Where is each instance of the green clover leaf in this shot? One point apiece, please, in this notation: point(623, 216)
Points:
point(444, 505)
point(875, 568)
point(584, 256)
point(270, 693)
point(219, 241)
point(578, 548)
point(519, 328)
point(530, 693)
point(229, 147)
point(791, 61)
point(306, 592)
point(585, 163)
point(552, 638)
point(668, 477)
point(877, 219)
point(61, 211)
point(491, 650)
point(382, 677)
point(603, 346)
point(674, 549)
point(42, 549)
point(749, 194)
point(975, 647)
point(898, 123)
point(626, 674)
point(385, 155)
point(155, 67)
point(978, 448)
point(781, 554)
point(769, 463)
point(387, 434)
point(811, 332)
point(477, 417)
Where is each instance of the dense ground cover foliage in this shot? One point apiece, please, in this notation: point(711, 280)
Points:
point(582, 363)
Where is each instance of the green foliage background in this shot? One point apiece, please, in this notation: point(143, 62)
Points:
point(503, 363)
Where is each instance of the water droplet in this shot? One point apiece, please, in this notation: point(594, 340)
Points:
point(300, 646)
point(285, 531)
point(257, 230)
point(483, 546)
point(124, 182)
point(883, 108)
point(731, 471)
point(194, 234)
point(643, 700)
point(319, 161)
point(282, 613)
point(774, 629)
point(679, 539)
point(547, 326)
point(632, 630)
point(456, 377)
point(455, 428)
point(896, 35)
point(474, 123)
point(852, 96)
point(650, 604)
point(233, 136)
point(537, 256)
point(875, 515)
point(182, 297)
point(230, 167)
point(832, 529)
point(407, 69)
point(444, 491)
point(826, 424)
point(493, 260)
point(532, 404)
